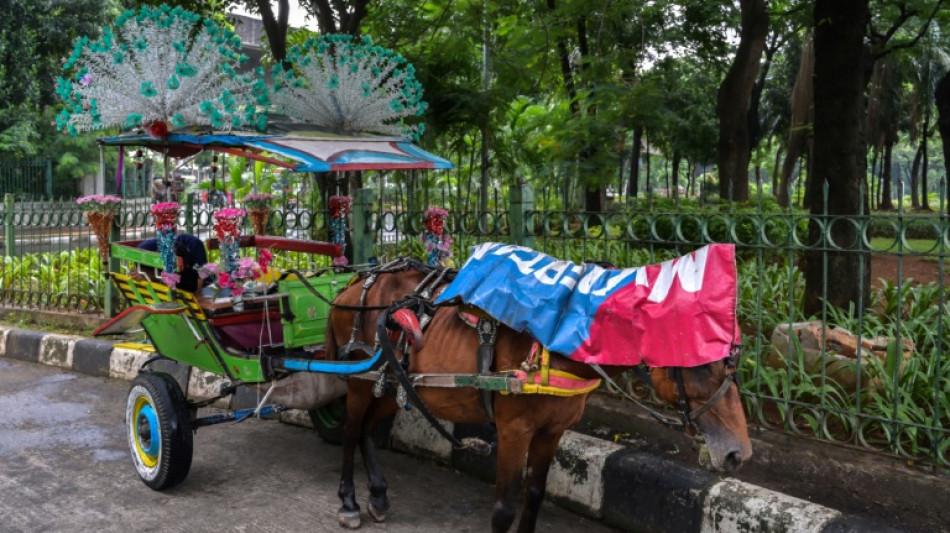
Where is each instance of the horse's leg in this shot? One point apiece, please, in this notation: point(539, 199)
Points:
point(357, 403)
point(512, 447)
point(540, 454)
point(378, 502)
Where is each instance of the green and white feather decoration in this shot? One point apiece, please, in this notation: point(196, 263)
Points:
point(347, 84)
point(160, 65)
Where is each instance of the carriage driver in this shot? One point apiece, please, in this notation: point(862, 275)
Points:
point(191, 253)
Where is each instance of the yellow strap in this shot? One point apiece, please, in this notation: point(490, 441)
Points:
point(545, 365)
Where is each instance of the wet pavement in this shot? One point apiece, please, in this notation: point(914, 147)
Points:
point(65, 466)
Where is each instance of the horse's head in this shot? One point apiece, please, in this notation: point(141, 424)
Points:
point(712, 407)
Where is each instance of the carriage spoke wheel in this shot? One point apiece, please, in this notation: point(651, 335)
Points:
point(159, 430)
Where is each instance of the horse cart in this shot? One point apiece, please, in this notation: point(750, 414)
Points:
point(272, 338)
point(460, 351)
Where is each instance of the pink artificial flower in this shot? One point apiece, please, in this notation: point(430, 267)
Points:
point(170, 279)
point(224, 280)
point(340, 261)
point(264, 257)
point(207, 270)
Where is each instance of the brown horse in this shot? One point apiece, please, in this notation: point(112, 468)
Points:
point(529, 426)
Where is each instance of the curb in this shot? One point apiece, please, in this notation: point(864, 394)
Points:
point(624, 487)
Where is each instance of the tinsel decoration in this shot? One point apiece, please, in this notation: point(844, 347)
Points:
point(165, 218)
point(339, 208)
point(159, 68)
point(347, 84)
point(438, 243)
point(227, 225)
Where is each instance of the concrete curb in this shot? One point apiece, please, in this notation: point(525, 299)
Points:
point(626, 488)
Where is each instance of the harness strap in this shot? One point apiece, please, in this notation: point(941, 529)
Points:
point(672, 422)
point(487, 335)
point(477, 446)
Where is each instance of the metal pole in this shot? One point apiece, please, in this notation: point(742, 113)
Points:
point(8, 206)
point(101, 177)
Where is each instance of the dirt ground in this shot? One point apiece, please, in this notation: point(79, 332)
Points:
point(923, 271)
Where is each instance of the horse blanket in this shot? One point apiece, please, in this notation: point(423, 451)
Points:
point(678, 313)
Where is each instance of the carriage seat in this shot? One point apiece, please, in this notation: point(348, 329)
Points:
point(143, 292)
point(243, 330)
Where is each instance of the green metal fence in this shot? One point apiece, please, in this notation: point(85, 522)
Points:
point(889, 392)
point(31, 178)
point(884, 389)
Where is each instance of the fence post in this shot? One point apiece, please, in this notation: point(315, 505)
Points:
point(8, 206)
point(108, 295)
point(49, 178)
point(363, 248)
point(521, 198)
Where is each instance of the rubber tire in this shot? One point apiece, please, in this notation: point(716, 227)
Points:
point(156, 400)
point(328, 420)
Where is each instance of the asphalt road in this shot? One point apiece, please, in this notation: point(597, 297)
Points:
point(64, 466)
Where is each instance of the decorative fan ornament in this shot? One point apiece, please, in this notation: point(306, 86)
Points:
point(347, 84)
point(160, 68)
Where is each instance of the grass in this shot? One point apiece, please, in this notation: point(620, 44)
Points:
point(929, 248)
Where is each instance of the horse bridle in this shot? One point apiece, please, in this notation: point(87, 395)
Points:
point(687, 418)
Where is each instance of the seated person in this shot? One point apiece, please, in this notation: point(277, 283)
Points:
point(191, 253)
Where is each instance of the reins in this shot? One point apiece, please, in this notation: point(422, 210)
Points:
point(687, 418)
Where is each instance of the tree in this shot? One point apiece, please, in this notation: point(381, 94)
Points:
point(735, 96)
point(34, 39)
point(847, 44)
point(942, 98)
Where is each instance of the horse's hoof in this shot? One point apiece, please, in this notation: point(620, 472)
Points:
point(378, 515)
point(350, 519)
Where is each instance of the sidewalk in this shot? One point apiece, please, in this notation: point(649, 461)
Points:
point(625, 486)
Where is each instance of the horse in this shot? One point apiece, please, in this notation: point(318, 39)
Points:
point(529, 426)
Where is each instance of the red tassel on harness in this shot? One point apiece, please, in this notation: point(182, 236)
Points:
point(410, 325)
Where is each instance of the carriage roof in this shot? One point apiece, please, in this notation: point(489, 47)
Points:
point(295, 146)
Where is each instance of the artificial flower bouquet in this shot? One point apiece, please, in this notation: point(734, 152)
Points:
point(258, 208)
point(100, 211)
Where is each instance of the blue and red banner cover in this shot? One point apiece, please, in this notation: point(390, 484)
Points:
point(678, 313)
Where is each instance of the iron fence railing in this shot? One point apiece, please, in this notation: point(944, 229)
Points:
point(31, 178)
point(875, 376)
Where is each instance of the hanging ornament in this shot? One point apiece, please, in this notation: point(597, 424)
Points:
point(438, 243)
point(339, 207)
point(165, 218)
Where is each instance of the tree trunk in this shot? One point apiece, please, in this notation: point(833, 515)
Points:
point(914, 178)
point(886, 177)
point(676, 175)
point(775, 172)
point(839, 152)
point(734, 99)
point(275, 27)
point(942, 98)
point(633, 184)
point(343, 16)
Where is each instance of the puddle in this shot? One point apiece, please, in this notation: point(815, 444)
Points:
point(40, 419)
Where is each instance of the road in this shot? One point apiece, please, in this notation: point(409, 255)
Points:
point(64, 466)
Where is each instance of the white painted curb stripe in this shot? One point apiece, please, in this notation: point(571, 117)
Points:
point(57, 350)
point(734, 506)
point(413, 433)
point(576, 472)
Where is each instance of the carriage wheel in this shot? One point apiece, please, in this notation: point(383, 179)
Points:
point(328, 420)
point(159, 430)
